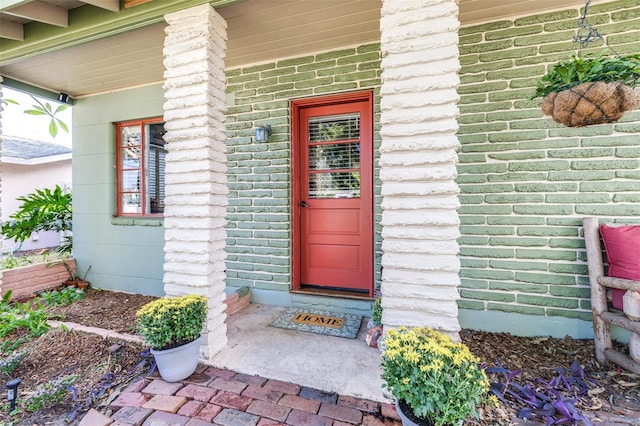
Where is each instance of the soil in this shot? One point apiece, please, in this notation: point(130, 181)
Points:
point(110, 310)
point(614, 395)
point(60, 353)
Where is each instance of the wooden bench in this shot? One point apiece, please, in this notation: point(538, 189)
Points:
point(603, 317)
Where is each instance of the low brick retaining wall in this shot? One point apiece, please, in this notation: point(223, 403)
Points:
point(238, 300)
point(29, 280)
point(26, 281)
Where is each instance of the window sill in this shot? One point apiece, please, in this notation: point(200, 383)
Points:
point(137, 221)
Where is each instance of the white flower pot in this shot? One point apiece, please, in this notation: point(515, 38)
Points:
point(408, 419)
point(178, 363)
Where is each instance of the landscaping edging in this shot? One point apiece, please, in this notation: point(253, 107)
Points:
point(235, 302)
point(26, 281)
point(238, 300)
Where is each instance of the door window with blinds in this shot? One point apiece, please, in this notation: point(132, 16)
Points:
point(140, 167)
point(334, 156)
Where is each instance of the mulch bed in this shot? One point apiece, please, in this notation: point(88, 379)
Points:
point(615, 401)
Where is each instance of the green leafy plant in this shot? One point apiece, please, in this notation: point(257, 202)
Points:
point(437, 378)
point(578, 70)
point(11, 261)
point(66, 246)
point(14, 316)
point(65, 297)
point(46, 109)
point(5, 302)
point(10, 363)
point(376, 314)
point(170, 322)
point(44, 210)
point(50, 393)
point(73, 280)
point(9, 346)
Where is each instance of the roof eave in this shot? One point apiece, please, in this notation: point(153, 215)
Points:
point(36, 161)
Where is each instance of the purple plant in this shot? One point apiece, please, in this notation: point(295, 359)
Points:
point(108, 382)
point(551, 400)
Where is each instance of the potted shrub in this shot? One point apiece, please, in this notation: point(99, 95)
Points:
point(74, 280)
point(435, 381)
point(581, 91)
point(172, 327)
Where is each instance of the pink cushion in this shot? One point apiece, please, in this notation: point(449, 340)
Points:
point(622, 246)
point(617, 298)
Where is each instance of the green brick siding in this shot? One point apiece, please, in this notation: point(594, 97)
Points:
point(525, 181)
point(259, 245)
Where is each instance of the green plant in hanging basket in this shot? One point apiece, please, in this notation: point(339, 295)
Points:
point(584, 91)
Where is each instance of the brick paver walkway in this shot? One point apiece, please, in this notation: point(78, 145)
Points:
point(222, 397)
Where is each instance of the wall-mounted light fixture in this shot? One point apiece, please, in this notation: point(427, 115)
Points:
point(12, 393)
point(263, 133)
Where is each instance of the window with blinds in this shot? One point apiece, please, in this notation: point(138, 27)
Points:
point(140, 167)
point(334, 156)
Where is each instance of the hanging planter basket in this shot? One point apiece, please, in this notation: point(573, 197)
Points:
point(579, 91)
point(590, 103)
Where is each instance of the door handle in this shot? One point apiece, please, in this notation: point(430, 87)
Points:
point(304, 204)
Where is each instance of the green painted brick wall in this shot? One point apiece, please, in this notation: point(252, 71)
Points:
point(259, 215)
point(526, 182)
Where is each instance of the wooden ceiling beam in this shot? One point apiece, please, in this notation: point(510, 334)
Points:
point(112, 5)
point(132, 3)
point(11, 30)
point(85, 27)
point(41, 12)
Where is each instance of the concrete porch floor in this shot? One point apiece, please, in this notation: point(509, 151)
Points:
point(332, 364)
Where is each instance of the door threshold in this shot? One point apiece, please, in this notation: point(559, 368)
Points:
point(344, 294)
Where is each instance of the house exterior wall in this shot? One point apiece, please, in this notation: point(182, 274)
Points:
point(526, 182)
point(20, 180)
point(259, 215)
point(125, 254)
point(259, 236)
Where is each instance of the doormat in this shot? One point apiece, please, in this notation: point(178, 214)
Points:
point(320, 322)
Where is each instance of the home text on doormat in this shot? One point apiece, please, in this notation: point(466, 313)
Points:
point(320, 322)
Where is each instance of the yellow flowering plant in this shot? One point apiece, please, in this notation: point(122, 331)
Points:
point(436, 378)
point(171, 322)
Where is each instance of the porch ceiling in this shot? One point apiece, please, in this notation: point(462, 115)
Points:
point(258, 31)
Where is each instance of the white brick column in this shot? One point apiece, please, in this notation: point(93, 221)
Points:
point(196, 180)
point(419, 43)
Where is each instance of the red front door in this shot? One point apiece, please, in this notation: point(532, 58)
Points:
point(333, 201)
